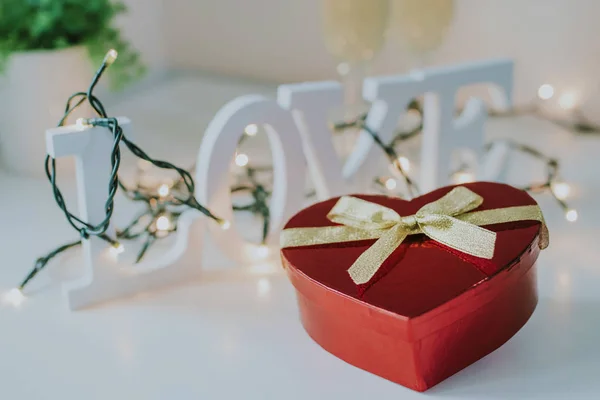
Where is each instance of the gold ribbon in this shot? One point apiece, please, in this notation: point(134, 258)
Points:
point(447, 221)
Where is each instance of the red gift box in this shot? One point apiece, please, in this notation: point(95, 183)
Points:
point(430, 310)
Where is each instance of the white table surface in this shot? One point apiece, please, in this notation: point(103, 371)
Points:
point(236, 333)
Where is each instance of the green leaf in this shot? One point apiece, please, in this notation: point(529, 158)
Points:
point(55, 24)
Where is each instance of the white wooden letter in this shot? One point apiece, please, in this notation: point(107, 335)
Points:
point(442, 131)
point(389, 97)
point(213, 170)
point(104, 278)
point(310, 104)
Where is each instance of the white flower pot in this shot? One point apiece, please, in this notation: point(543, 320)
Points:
point(33, 93)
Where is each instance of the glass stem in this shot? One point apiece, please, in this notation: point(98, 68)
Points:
point(352, 76)
point(352, 82)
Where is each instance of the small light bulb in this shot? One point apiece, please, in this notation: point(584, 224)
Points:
point(13, 297)
point(110, 57)
point(561, 190)
point(343, 68)
point(404, 163)
point(163, 223)
point(116, 249)
point(262, 251)
point(81, 124)
point(546, 91)
point(567, 101)
point(263, 287)
point(251, 130)
point(571, 215)
point(241, 160)
point(390, 184)
point(225, 225)
point(461, 177)
point(163, 190)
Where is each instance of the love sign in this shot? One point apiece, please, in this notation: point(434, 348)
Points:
point(297, 126)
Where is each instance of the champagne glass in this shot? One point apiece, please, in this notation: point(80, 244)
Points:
point(354, 33)
point(421, 26)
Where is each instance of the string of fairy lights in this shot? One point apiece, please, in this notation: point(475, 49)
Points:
point(553, 183)
point(163, 204)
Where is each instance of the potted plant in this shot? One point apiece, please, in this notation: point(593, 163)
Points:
point(45, 51)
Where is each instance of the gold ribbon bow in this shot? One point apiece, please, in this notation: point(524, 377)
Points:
point(447, 221)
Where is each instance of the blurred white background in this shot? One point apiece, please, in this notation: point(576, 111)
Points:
point(551, 41)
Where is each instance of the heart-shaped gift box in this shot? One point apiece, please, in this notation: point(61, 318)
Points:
point(430, 310)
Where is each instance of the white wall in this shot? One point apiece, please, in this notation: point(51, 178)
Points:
point(552, 41)
point(144, 25)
